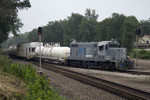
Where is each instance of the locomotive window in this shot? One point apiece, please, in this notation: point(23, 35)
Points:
point(101, 48)
point(106, 47)
point(114, 46)
point(74, 45)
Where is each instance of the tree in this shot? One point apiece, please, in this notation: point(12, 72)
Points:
point(104, 29)
point(119, 27)
point(9, 21)
point(91, 14)
point(71, 28)
point(145, 27)
point(33, 36)
point(88, 30)
point(88, 26)
point(53, 32)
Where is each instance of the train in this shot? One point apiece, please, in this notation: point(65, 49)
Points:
point(103, 54)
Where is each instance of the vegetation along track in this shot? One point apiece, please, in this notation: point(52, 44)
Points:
point(118, 89)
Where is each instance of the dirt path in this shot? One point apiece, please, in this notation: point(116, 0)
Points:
point(11, 87)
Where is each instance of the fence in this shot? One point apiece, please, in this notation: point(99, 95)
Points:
point(142, 64)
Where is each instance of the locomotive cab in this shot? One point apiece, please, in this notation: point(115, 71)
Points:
point(109, 49)
point(113, 52)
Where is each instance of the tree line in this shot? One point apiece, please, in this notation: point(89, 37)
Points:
point(86, 28)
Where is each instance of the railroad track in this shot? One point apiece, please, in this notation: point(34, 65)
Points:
point(115, 88)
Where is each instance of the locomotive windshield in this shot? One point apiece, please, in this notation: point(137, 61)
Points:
point(114, 45)
point(101, 48)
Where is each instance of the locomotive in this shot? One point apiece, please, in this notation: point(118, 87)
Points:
point(104, 54)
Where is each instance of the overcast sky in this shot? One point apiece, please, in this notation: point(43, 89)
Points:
point(43, 11)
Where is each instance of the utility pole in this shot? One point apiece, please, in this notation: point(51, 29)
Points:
point(136, 51)
point(137, 33)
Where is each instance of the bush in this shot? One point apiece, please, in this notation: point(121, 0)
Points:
point(37, 86)
point(142, 54)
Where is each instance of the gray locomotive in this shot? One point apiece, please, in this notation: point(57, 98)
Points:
point(105, 55)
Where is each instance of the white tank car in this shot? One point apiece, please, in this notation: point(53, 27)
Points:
point(53, 53)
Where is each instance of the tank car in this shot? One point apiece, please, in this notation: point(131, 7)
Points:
point(53, 53)
point(104, 54)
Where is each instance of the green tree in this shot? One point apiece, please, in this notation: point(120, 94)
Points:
point(88, 26)
point(145, 27)
point(130, 25)
point(91, 14)
point(53, 32)
point(71, 28)
point(33, 36)
point(9, 21)
point(88, 30)
point(103, 29)
point(119, 27)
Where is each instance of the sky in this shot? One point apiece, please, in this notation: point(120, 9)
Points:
point(43, 11)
